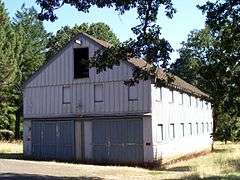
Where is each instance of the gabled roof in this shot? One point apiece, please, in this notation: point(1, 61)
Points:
point(177, 83)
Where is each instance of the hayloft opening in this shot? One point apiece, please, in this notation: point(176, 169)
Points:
point(81, 63)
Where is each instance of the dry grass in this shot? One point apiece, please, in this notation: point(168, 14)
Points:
point(15, 147)
point(223, 163)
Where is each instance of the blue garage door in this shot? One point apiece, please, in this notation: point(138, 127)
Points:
point(118, 140)
point(53, 140)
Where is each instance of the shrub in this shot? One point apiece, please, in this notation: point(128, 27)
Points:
point(6, 135)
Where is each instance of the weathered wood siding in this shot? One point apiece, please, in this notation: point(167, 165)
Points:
point(165, 112)
point(43, 95)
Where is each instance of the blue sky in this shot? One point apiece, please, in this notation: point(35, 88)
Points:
point(175, 30)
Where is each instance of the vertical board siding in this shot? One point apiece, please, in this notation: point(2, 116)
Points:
point(164, 112)
point(43, 95)
point(47, 101)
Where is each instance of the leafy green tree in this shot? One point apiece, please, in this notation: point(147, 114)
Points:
point(8, 67)
point(65, 34)
point(30, 54)
point(211, 60)
point(147, 44)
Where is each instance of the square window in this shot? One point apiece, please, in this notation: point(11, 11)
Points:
point(98, 93)
point(172, 131)
point(132, 93)
point(81, 63)
point(66, 95)
point(160, 132)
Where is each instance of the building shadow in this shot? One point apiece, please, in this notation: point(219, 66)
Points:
point(11, 156)
point(13, 176)
point(223, 177)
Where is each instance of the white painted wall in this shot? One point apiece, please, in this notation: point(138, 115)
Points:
point(165, 112)
point(43, 96)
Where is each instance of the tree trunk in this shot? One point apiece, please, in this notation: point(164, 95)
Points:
point(17, 124)
point(215, 119)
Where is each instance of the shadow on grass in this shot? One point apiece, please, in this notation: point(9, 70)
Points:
point(220, 150)
point(179, 169)
point(13, 176)
point(235, 164)
point(11, 156)
point(196, 176)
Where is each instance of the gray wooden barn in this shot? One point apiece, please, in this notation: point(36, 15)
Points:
point(73, 113)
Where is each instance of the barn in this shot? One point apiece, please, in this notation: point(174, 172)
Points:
point(72, 113)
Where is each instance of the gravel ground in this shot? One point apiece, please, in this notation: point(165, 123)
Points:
point(26, 170)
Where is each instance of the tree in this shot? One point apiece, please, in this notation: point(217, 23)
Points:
point(7, 67)
point(215, 53)
point(65, 34)
point(30, 54)
point(147, 44)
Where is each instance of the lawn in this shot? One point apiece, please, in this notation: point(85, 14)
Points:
point(223, 163)
point(11, 147)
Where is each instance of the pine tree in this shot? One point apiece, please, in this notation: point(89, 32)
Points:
point(30, 54)
point(7, 67)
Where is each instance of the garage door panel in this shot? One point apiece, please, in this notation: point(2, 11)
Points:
point(53, 140)
point(120, 140)
point(100, 153)
point(100, 132)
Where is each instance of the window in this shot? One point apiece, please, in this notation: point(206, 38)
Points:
point(171, 96)
point(190, 128)
point(197, 128)
point(196, 102)
point(98, 93)
point(207, 105)
point(160, 132)
point(81, 63)
point(160, 91)
point(172, 131)
point(132, 93)
point(202, 127)
point(211, 126)
point(190, 100)
point(202, 102)
point(207, 127)
point(181, 100)
point(66, 95)
point(182, 128)
point(159, 94)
